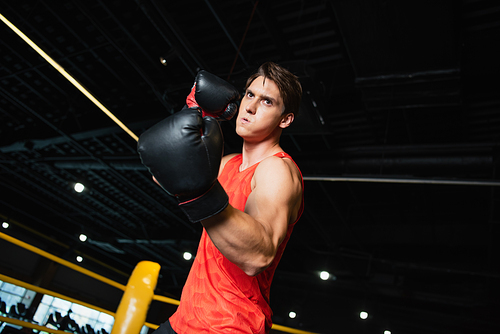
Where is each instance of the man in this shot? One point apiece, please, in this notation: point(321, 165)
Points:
point(227, 290)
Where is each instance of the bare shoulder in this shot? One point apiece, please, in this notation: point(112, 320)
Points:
point(275, 165)
point(273, 170)
point(278, 181)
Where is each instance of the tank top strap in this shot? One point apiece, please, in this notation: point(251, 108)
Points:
point(283, 155)
point(235, 159)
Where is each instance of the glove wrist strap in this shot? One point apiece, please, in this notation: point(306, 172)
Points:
point(207, 205)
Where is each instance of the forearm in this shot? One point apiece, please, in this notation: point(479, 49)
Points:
point(242, 239)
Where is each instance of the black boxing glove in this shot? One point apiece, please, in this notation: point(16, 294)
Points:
point(183, 152)
point(216, 97)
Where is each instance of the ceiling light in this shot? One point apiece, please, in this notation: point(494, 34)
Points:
point(82, 237)
point(187, 256)
point(167, 57)
point(79, 258)
point(324, 275)
point(5, 225)
point(292, 315)
point(79, 187)
point(363, 315)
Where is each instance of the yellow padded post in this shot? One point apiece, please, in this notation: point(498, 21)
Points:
point(131, 313)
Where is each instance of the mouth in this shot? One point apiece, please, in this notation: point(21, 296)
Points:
point(245, 120)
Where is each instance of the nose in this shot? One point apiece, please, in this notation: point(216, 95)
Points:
point(250, 107)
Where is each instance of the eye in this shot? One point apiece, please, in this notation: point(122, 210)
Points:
point(249, 94)
point(268, 102)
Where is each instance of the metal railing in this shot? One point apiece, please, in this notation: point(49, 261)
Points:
point(134, 305)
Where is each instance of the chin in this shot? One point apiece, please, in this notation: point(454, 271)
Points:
point(238, 132)
point(242, 133)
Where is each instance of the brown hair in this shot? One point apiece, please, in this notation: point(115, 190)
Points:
point(288, 85)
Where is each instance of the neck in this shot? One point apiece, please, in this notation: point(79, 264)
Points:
point(253, 153)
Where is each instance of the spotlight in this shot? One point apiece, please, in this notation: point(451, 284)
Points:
point(5, 225)
point(79, 187)
point(292, 315)
point(167, 57)
point(82, 237)
point(187, 256)
point(324, 275)
point(363, 315)
point(79, 258)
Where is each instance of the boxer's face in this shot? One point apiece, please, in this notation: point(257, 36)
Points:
point(261, 110)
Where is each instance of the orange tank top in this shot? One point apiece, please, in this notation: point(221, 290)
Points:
point(218, 297)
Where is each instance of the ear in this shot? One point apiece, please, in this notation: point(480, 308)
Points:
point(286, 120)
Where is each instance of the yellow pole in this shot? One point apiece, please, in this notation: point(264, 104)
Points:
point(289, 330)
point(61, 261)
point(131, 313)
point(166, 300)
point(52, 293)
point(41, 235)
point(26, 324)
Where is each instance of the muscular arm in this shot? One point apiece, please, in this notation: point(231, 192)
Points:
point(251, 238)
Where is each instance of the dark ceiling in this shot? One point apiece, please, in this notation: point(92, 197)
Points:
point(405, 93)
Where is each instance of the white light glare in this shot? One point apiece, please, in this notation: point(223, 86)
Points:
point(324, 275)
point(79, 187)
point(187, 256)
point(363, 315)
point(82, 237)
point(5, 225)
point(387, 331)
point(79, 258)
point(292, 315)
